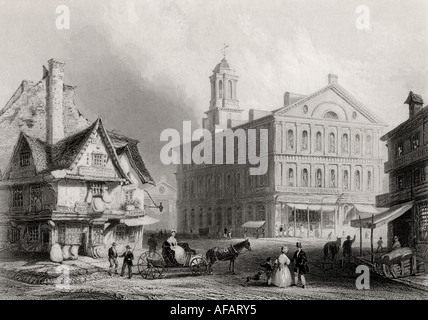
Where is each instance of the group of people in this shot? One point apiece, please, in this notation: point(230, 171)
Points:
point(128, 257)
point(278, 273)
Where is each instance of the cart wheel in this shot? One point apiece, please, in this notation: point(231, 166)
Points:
point(198, 266)
point(151, 265)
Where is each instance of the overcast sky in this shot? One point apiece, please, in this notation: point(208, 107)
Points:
point(143, 66)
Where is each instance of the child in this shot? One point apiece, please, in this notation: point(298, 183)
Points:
point(267, 266)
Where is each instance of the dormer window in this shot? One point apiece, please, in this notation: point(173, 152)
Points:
point(24, 159)
point(98, 160)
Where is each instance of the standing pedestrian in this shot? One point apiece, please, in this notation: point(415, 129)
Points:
point(225, 232)
point(347, 248)
point(281, 230)
point(128, 256)
point(112, 258)
point(379, 245)
point(300, 265)
point(281, 276)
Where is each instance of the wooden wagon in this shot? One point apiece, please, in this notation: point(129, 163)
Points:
point(401, 262)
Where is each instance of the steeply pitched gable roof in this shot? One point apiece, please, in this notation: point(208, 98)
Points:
point(129, 146)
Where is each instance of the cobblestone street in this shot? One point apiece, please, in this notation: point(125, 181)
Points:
point(180, 284)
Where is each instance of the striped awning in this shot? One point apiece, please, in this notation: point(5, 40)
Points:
point(383, 217)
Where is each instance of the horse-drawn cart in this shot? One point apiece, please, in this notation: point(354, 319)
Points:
point(152, 265)
point(401, 262)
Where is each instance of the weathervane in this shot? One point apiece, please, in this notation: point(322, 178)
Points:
point(224, 50)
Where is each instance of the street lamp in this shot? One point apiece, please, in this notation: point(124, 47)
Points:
point(160, 206)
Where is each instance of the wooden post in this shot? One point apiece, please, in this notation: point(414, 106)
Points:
point(361, 237)
point(321, 222)
point(308, 223)
point(295, 221)
point(371, 239)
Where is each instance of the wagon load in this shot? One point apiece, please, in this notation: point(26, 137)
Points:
point(395, 256)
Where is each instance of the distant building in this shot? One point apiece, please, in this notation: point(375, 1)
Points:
point(324, 156)
point(65, 180)
point(164, 193)
point(407, 168)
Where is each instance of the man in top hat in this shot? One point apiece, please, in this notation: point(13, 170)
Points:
point(347, 248)
point(112, 258)
point(128, 256)
point(300, 265)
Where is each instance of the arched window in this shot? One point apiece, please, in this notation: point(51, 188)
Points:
point(261, 213)
point(201, 218)
point(331, 115)
point(332, 178)
point(290, 135)
point(304, 140)
point(220, 89)
point(192, 188)
point(208, 189)
point(218, 217)
point(229, 182)
point(331, 143)
point(357, 144)
point(369, 180)
point(230, 89)
point(369, 146)
point(219, 182)
point(318, 144)
point(249, 181)
point(345, 143)
point(345, 179)
point(229, 216)
point(209, 217)
point(319, 178)
point(250, 213)
point(291, 177)
point(305, 177)
point(201, 186)
point(357, 180)
point(192, 219)
point(212, 90)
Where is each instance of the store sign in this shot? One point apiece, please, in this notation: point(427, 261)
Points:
point(96, 172)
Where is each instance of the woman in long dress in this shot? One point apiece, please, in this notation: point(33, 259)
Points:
point(281, 276)
point(179, 253)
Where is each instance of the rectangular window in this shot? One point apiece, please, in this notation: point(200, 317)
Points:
point(400, 181)
point(73, 234)
point(14, 235)
point(97, 189)
point(36, 197)
point(120, 233)
point(33, 233)
point(415, 141)
point(17, 197)
point(423, 222)
point(98, 160)
point(24, 159)
point(132, 234)
point(400, 148)
point(129, 195)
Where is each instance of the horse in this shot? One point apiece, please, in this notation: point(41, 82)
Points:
point(331, 247)
point(225, 254)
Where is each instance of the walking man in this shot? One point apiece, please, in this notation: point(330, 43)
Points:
point(128, 256)
point(112, 258)
point(300, 265)
point(347, 249)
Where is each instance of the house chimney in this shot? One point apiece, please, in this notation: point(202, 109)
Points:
point(415, 103)
point(54, 113)
point(332, 78)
